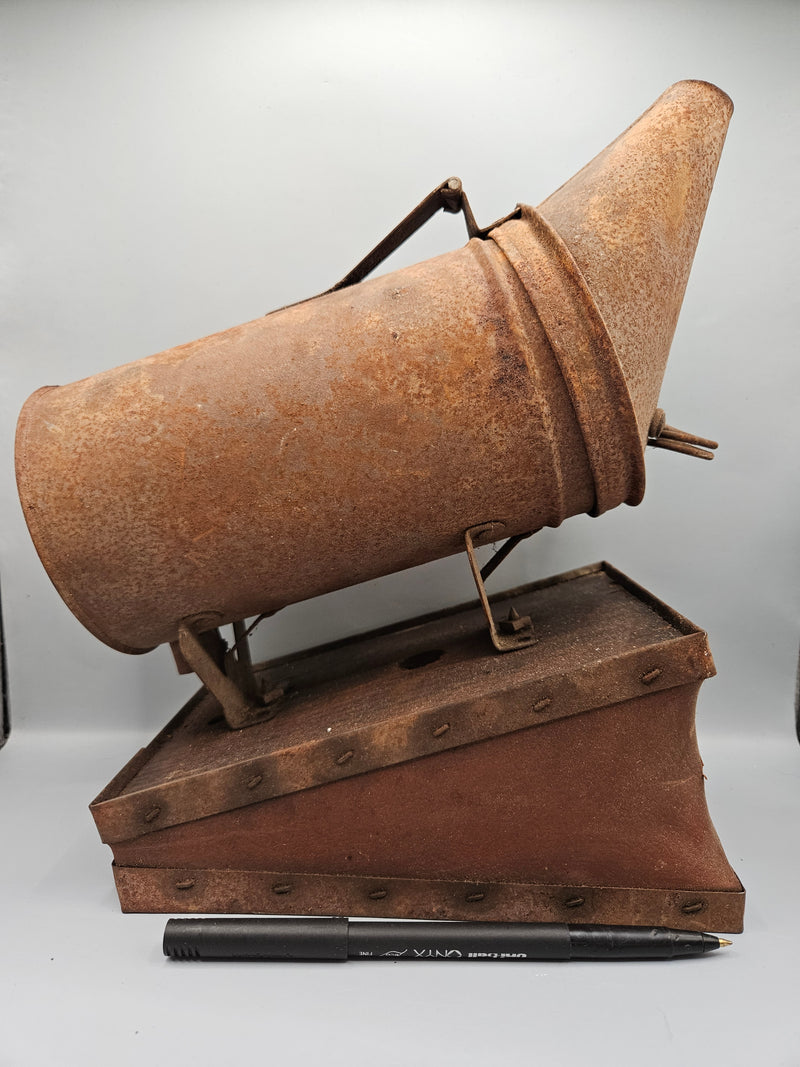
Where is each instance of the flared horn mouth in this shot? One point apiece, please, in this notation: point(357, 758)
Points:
point(631, 219)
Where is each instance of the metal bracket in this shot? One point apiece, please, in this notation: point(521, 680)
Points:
point(660, 435)
point(227, 673)
point(515, 631)
point(450, 197)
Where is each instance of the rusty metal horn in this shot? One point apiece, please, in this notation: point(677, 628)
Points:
point(508, 384)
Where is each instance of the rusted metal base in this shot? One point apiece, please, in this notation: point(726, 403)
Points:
point(158, 889)
point(414, 772)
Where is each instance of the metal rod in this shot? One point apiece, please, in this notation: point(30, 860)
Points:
point(680, 446)
point(249, 630)
point(522, 634)
point(502, 553)
point(239, 709)
point(674, 434)
point(447, 197)
point(242, 646)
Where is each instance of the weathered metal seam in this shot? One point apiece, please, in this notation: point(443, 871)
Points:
point(602, 404)
point(516, 298)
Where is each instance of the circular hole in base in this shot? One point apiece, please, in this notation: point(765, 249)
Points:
point(421, 659)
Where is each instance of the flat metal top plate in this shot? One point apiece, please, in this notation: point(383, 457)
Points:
point(582, 618)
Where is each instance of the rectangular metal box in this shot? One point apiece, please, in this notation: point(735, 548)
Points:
point(414, 772)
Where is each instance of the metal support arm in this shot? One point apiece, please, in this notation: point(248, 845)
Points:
point(450, 197)
point(516, 631)
point(232, 681)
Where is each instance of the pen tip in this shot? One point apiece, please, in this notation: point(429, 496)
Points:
point(723, 941)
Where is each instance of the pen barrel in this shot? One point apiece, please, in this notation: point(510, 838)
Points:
point(636, 942)
point(256, 939)
point(458, 941)
point(338, 939)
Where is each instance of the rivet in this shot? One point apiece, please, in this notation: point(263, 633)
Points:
point(650, 676)
point(575, 902)
point(378, 894)
point(345, 756)
point(545, 702)
point(441, 729)
point(152, 814)
point(282, 888)
point(474, 898)
point(187, 883)
point(257, 779)
point(693, 907)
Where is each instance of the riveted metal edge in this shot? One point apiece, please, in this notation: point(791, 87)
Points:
point(151, 889)
point(682, 661)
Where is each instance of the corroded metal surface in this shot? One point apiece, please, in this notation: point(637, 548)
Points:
point(614, 796)
point(631, 219)
point(413, 690)
point(329, 443)
point(362, 432)
point(416, 762)
point(192, 891)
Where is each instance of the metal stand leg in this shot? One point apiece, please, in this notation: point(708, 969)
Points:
point(515, 631)
point(227, 674)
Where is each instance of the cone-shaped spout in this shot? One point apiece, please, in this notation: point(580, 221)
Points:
point(631, 219)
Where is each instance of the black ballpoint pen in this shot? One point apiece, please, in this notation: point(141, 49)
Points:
point(341, 939)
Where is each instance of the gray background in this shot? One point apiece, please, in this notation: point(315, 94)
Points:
point(172, 169)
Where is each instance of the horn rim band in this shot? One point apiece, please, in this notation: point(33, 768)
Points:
point(585, 354)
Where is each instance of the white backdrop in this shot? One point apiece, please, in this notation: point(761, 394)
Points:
point(174, 169)
point(170, 169)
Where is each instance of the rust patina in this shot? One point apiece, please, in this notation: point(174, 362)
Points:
point(513, 381)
